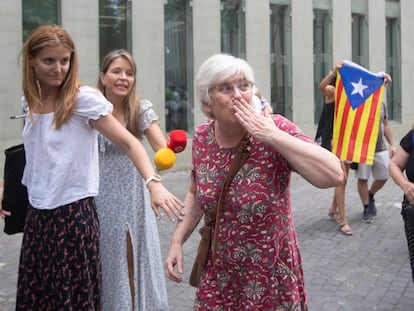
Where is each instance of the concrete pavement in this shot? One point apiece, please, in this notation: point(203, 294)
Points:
point(367, 271)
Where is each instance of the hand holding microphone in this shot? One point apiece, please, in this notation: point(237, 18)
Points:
point(165, 157)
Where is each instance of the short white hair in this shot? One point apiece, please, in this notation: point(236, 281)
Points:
point(217, 69)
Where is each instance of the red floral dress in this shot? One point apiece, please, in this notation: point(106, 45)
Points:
point(258, 264)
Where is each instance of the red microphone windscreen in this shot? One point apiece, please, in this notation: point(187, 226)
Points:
point(177, 140)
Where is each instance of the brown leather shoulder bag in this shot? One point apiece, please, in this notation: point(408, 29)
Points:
point(212, 218)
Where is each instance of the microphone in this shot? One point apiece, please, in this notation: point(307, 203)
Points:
point(177, 140)
point(164, 158)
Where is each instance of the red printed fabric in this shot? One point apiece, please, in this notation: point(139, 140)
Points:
point(258, 265)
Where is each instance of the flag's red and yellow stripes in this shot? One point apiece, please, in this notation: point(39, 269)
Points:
point(356, 130)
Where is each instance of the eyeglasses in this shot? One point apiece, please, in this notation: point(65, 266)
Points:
point(227, 89)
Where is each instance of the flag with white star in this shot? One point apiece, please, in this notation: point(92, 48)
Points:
point(358, 97)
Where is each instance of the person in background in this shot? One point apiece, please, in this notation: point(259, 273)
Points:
point(60, 265)
point(172, 103)
point(261, 104)
point(3, 213)
point(403, 160)
point(132, 270)
point(257, 259)
point(379, 168)
point(324, 135)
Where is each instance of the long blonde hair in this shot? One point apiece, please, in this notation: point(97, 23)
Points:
point(131, 102)
point(50, 36)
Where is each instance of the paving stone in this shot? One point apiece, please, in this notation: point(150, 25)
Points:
point(367, 271)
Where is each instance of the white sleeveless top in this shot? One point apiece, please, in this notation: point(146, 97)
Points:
point(62, 165)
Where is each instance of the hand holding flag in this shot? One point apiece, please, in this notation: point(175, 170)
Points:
point(358, 98)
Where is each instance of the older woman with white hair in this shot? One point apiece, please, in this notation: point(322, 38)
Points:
point(253, 262)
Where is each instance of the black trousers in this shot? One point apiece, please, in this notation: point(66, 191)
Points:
point(408, 217)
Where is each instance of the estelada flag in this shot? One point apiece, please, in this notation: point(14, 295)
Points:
point(358, 100)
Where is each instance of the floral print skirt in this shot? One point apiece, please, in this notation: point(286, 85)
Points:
point(60, 261)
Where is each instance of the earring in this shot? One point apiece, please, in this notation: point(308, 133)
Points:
point(39, 88)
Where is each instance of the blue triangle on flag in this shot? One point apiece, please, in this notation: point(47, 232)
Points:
point(359, 83)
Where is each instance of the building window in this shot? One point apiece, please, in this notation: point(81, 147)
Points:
point(360, 40)
point(322, 49)
point(393, 61)
point(114, 26)
point(233, 28)
point(281, 60)
point(359, 11)
point(39, 12)
point(179, 103)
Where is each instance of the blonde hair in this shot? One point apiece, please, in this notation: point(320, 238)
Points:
point(131, 102)
point(44, 37)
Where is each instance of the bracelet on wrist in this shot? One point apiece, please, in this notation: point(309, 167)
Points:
point(155, 177)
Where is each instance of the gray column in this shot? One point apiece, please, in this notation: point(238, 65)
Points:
point(376, 35)
point(257, 42)
point(341, 30)
point(206, 38)
point(148, 51)
point(302, 65)
point(81, 20)
point(407, 63)
point(10, 74)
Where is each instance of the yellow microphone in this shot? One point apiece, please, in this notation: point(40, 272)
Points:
point(164, 158)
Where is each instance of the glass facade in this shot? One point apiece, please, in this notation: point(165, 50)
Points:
point(39, 12)
point(115, 31)
point(360, 40)
point(114, 26)
point(281, 59)
point(393, 59)
point(322, 54)
point(233, 28)
point(359, 9)
point(179, 103)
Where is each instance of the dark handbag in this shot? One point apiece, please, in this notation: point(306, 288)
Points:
point(407, 212)
point(353, 166)
point(212, 218)
point(325, 126)
point(15, 197)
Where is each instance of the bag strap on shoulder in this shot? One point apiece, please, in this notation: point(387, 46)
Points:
point(242, 153)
